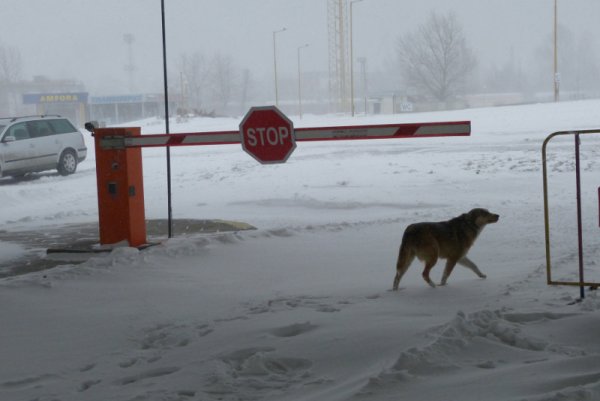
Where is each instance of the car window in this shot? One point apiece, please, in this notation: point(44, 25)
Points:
point(62, 126)
point(19, 131)
point(39, 128)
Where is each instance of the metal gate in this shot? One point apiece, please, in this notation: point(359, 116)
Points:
point(581, 282)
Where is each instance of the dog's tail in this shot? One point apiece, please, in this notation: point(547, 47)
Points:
point(406, 256)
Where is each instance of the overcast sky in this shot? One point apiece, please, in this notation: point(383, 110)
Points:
point(83, 39)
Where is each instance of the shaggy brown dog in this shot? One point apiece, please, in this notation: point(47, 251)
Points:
point(450, 240)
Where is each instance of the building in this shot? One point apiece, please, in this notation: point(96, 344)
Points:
point(72, 105)
point(116, 109)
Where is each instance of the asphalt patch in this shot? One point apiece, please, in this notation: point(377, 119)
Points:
point(79, 241)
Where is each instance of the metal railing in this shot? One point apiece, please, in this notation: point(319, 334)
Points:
point(581, 282)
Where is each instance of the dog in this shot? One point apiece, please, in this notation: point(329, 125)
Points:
point(450, 240)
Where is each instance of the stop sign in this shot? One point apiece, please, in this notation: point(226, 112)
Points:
point(267, 135)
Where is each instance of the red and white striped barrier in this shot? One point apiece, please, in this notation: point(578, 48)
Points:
point(354, 132)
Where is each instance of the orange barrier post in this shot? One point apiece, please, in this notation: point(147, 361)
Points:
point(120, 189)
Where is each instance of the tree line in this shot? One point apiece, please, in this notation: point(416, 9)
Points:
point(435, 62)
point(209, 83)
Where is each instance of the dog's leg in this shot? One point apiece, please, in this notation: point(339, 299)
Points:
point(405, 258)
point(428, 266)
point(450, 263)
point(466, 262)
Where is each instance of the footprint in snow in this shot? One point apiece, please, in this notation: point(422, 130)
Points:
point(148, 374)
point(293, 330)
point(86, 385)
point(252, 373)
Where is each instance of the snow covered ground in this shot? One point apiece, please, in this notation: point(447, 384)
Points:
point(300, 309)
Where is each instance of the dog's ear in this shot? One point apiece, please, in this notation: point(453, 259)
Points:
point(474, 213)
point(479, 211)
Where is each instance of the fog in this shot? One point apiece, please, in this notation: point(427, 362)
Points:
point(83, 40)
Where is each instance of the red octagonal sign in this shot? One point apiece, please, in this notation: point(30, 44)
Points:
point(267, 135)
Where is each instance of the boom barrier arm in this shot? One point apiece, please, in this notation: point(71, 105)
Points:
point(119, 160)
point(389, 131)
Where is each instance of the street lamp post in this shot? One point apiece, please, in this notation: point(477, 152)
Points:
point(363, 68)
point(300, 82)
point(275, 65)
point(352, 61)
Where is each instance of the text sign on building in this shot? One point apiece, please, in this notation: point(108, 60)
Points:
point(267, 135)
point(39, 98)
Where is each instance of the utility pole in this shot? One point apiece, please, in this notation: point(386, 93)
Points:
point(363, 72)
point(352, 60)
point(128, 38)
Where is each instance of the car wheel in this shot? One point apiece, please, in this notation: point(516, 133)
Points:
point(67, 164)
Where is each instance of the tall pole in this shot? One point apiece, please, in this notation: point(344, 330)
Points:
point(556, 74)
point(352, 60)
point(363, 68)
point(275, 65)
point(342, 56)
point(128, 38)
point(166, 90)
point(579, 224)
point(300, 82)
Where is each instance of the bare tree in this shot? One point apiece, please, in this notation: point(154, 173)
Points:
point(435, 59)
point(208, 84)
point(223, 80)
point(195, 76)
point(506, 77)
point(10, 73)
point(10, 64)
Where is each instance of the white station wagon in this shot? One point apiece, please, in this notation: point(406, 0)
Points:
point(39, 143)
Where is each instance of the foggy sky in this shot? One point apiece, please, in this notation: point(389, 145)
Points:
point(83, 39)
